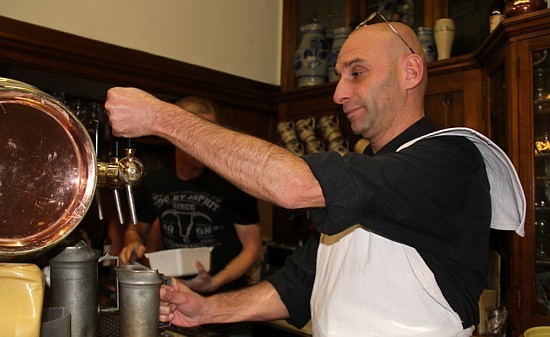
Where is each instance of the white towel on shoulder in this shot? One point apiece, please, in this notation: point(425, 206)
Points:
point(507, 196)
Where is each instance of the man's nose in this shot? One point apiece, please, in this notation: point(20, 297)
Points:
point(341, 94)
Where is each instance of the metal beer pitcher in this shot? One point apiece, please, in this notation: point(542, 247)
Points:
point(139, 300)
point(74, 287)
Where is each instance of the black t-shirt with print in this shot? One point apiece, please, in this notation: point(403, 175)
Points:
point(197, 213)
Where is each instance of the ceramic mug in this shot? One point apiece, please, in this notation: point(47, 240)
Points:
point(314, 145)
point(329, 120)
point(296, 148)
point(289, 137)
point(330, 128)
point(306, 128)
point(334, 136)
point(287, 133)
point(285, 126)
point(361, 145)
point(342, 146)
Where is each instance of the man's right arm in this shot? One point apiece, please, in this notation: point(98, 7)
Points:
point(184, 307)
point(256, 166)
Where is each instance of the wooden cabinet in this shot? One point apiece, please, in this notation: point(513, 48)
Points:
point(454, 96)
point(346, 13)
point(517, 76)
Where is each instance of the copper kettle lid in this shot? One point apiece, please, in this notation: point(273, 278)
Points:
point(48, 170)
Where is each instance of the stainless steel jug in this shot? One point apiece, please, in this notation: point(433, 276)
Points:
point(139, 300)
point(73, 274)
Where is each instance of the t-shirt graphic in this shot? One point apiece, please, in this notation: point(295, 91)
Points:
point(187, 219)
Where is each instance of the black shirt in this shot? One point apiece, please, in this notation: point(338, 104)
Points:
point(201, 212)
point(432, 196)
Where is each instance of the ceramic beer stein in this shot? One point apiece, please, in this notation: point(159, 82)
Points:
point(330, 128)
point(426, 38)
point(311, 57)
point(306, 128)
point(296, 148)
point(341, 146)
point(313, 145)
point(287, 133)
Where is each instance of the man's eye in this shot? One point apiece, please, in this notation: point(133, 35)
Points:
point(356, 73)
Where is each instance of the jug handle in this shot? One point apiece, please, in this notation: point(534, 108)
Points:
point(108, 256)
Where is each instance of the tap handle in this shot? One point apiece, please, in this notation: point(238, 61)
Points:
point(128, 143)
point(118, 206)
point(99, 206)
point(115, 147)
point(131, 204)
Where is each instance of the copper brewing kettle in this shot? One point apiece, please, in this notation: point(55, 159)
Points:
point(48, 171)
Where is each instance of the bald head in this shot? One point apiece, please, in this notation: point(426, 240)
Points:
point(382, 82)
point(380, 36)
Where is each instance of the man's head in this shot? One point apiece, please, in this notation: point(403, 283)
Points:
point(201, 107)
point(382, 82)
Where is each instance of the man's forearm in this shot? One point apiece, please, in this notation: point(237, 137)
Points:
point(260, 302)
point(258, 167)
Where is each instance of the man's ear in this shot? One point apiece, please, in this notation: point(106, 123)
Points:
point(414, 69)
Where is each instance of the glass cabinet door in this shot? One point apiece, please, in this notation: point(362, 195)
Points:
point(516, 65)
point(541, 125)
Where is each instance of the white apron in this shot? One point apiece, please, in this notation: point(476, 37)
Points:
point(366, 285)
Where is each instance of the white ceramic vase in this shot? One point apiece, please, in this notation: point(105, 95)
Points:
point(444, 35)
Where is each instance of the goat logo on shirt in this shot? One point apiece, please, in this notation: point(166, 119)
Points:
point(186, 227)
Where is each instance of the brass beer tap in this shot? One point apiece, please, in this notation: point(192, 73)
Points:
point(119, 173)
point(131, 170)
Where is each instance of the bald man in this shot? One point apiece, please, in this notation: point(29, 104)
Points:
point(402, 229)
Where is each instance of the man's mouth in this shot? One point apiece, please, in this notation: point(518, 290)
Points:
point(349, 111)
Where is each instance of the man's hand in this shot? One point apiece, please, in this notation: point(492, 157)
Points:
point(132, 111)
point(203, 282)
point(180, 305)
point(134, 248)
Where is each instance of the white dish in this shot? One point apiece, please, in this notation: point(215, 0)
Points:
point(179, 262)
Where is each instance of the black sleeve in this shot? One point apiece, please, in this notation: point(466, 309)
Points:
point(294, 282)
point(416, 196)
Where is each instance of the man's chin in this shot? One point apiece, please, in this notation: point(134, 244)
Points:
point(355, 129)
